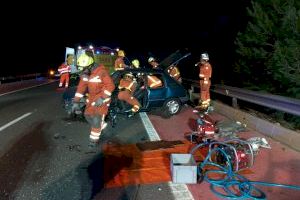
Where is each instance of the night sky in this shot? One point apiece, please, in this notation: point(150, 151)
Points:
point(35, 35)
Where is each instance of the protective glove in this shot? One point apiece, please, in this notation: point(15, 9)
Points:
point(98, 102)
point(75, 107)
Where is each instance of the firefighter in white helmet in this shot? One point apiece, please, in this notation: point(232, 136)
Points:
point(205, 82)
point(152, 61)
point(97, 81)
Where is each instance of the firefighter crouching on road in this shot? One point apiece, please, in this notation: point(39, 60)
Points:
point(96, 80)
point(205, 75)
point(127, 87)
point(64, 70)
point(119, 62)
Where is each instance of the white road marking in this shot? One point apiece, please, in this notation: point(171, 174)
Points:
point(179, 191)
point(14, 121)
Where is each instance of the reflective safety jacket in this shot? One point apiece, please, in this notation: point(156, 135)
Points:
point(153, 81)
point(173, 71)
point(64, 68)
point(128, 85)
point(98, 84)
point(119, 64)
point(205, 71)
point(154, 64)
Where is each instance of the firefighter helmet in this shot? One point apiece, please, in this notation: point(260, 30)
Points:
point(204, 56)
point(136, 63)
point(129, 75)
point(151, 59)
point(85, 60)
point(121, 53)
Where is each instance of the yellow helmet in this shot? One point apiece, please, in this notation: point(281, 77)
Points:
point(136, 63)
point(121, 53)
point(84, 60)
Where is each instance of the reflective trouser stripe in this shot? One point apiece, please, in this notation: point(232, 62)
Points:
point(78, 95)
point(94, 137)
point(209, 132)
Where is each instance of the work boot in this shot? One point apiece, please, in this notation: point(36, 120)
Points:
point(131, 114)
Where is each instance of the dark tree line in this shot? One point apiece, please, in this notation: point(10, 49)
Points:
point(268, 50)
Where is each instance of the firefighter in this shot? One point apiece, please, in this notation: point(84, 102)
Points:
point(135, 63)
point(127, 87)
point(119, 62)
point(95, 80)
point(64, 70)
point(205, 75)
point(174, 72)
point(153, 62)
point(153, 81)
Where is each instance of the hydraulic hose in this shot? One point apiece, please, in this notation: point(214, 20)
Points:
point(233, 185)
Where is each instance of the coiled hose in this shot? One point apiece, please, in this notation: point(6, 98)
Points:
point(235, 186)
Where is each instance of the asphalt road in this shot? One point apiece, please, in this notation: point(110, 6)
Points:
point(45, 155)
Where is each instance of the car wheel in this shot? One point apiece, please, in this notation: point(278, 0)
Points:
point(171, 107)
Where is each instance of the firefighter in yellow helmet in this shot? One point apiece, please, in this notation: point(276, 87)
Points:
point(136, 63)
point(95, 80)
point(119, 62)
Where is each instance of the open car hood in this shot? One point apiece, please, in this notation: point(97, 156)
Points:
point(174, 58)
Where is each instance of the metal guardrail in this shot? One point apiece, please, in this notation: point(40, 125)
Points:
point(8, 79)
point(285, 104)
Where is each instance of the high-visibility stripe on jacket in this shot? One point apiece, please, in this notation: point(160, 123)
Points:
point(127, 84)
point(119, 63)
point(98, 84)
point(153, 81)
point(64, 68)
point(174, 72)
point(205, 71)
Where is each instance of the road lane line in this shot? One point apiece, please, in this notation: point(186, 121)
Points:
point(179, 191)
point(14, 121)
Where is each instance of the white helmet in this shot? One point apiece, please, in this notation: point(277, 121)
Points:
point(204, 56)
point(151, 59)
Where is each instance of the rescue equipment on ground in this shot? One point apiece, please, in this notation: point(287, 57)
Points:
point(226, 158)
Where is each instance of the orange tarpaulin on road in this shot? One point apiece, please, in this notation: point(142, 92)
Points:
point(142, 163)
